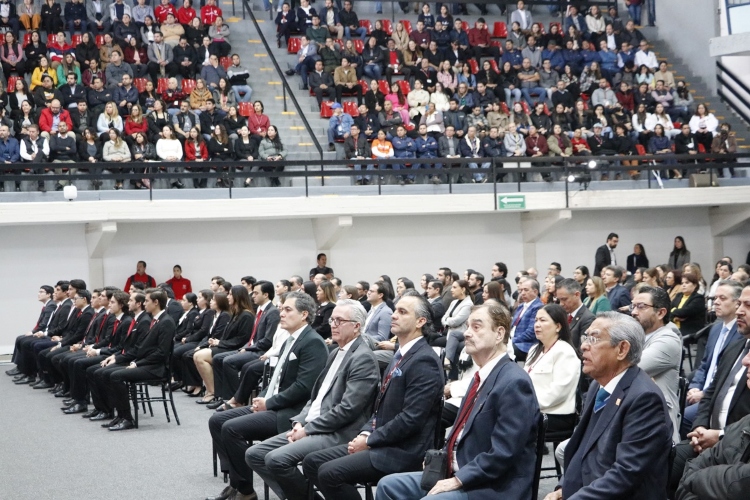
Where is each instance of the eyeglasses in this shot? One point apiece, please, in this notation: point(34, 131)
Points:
point(590, 339)
point(640, 306)
point(337, 321)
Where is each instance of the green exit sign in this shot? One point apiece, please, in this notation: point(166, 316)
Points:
point(515, 202)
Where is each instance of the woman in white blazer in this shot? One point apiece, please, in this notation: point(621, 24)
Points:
point(554, 368)
point(454, 322)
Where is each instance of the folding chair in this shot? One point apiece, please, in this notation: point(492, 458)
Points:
point(139, 393)
point(541, 431)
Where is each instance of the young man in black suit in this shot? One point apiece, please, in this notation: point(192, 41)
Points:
point(302, 357)
point(402, 426)
point(605, 254)
point(44, 295)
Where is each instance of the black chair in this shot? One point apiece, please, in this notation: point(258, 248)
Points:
point(682, 397)
point(139, 393)
point(693, 339)
point(541, 443)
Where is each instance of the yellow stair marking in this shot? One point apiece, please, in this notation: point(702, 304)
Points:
point(233, 20)
point(278, 97)
point(253, 41)
point(274, 83)
point(305, 144)
point(296, 127)
point(288, 112)
point(260, 55)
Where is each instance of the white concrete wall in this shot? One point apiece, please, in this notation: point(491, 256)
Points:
point(273, 249)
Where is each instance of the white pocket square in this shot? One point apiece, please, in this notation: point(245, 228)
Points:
point(292, 357)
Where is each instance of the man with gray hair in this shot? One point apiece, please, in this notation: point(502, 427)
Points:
point(339, 405)
point(568, 292)
point(522, 327)
point(621, 445)
point(302, 358)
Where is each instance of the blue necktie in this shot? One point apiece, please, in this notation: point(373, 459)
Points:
point(602, 396)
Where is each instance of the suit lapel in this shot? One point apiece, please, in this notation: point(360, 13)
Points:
point(347, 356)
point(405, 360)
point(484, 392)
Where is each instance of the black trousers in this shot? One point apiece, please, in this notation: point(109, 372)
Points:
point(46, 367)
point(98, 382)
point(233, 432)
point(79, 386)
point(23, 356)
point(250, 376)
point(683, 453)
point(61, 365)
point(227, 367)
point(117, 390)
point(178, 359)
point(154, 69)
point(336, 473)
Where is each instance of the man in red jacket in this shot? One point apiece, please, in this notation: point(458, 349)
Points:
point(140, 276)
point(51, 117)
point(479, 41)
point(210, 12)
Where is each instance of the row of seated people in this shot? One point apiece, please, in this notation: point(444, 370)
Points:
point(558, 332)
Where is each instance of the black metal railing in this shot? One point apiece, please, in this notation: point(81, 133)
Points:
point(728, 80)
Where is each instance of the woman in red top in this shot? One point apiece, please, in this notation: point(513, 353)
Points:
point(180, 286)
point(196, 150)
point(135, 123)
point(186, 13)
point(258, 123)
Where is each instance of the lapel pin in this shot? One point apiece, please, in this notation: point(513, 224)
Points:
point(617, 403)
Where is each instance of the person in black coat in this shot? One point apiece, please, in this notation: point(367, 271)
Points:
point(195, 333)
point(326, 297)
point(286, 24)
point(688, 310)
point(637, 259)
point(604, 254)
point(86, 50)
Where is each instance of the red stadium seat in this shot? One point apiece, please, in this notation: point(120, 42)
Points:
point(161, 85)
point(12, 83)
point(188, 85)
point(50, 38)
point(364, 23)
point(640, 149)
point(26, 39)
point(383, 86)
point(404, 86)
point(325, 109)
point(465, 26)
point(504, 107)
point(293, 45)
point(474, 66)
point(246, 109)
point(140, 84)
point(359, 45)
point(76, 40)
point(225, 62)
point(407, 25)
point(387, 26)
point(526, 108)
point(99, 40)
point(500, 30)
point(350, 107)
point(493, 64)
point(559, 26)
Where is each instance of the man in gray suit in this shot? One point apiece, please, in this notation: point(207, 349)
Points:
point(339, 405)
point(662, 352)
point(377, 325)
point(579, 317)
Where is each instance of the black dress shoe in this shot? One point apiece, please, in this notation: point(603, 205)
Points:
point(62, 393)
point(13, 372)
point(76, 408)
point(115, 421)
point(102, 415)
point(24, 380)
point(216, 403)
point(124, 425)
point(43, 385)
point(91, 413)
point(68, 402)
point(175, 386)
point(290, 72)
point(224, 495)
point(55, 388)
point(204, 402)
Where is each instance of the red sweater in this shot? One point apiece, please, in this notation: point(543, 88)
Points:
point(141, 278)
point(209, 13)
point(180, 287)
point(257, 123)
point(184, 16)
point(131, 127)
point(161, 11)
point(479, 37)
point(190, 152)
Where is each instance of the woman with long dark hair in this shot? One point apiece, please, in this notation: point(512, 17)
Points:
point(12, 56)
point(425, 281)
point(454, 322)
point(325, 296)
point(581, 275)
point(219, 319)
point(680, 255)
point(554, 368)
point(272, 149)
point(637, 259)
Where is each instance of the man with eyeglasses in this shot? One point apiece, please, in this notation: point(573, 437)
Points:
point(621, 446)
point(339, 405)
point(662, 352)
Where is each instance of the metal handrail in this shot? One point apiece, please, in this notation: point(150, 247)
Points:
point(736, 95)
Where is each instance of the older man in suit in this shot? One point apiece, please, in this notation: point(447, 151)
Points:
point(522, 326)
point(662, 352)
point(339, 405)
point(724, 401)
point(568, 292)
point(618, 295)
point(620, 447)
point(491, 448)
point(605, 254)
point(723, 334)
point(402, 426)
point(302, 358)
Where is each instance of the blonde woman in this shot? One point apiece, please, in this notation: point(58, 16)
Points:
point(116, 150)
point(110, 118)
point(596, 300)
point(400, 36)
point(199, 96)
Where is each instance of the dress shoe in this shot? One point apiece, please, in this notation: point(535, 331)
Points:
point(13, 372)
point(69, 402)
point(175, 386)
point(225, 494)
point(123, 425)
point(206, 401)
point(113, 422)
point(102, 415)
point(76, 408)
point(178, 185)
point(290, 72)
point(217, 402)
point(91, 413)
point(43, 385)
point(24, 380)
point(55, 388)
point(241, 496)
point(62, 393)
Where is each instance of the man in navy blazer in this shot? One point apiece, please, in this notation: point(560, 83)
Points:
point(402, 426)
point(522, 326)
point(491, 447)
point(618, 295)
point(621, 445)
point(723, 333)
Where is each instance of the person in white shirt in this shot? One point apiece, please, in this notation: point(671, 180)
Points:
point(646, 57)
point(169, 149)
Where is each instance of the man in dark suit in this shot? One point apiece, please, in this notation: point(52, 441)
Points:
point(377, 326)
point(402, 427)
point(492, 446)
point(152, 352)
point(173, 308)
point(724, 401)
point(302, 358)
point(618, 295)
point(522, 326)
point(620, 447)
point(227, 365)
point(434, 293)
point(122, 350)
point(723, 334)
point(340, 403)
point(44, 295)
point(605, 254)
point(579, 317)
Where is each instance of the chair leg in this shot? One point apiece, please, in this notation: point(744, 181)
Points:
point(174, 410)
point(148, 401)
point(141, 398)
point(265, 491)
point(134, 396)
point(558, 469)
point(216, 463)
point(164, 400)
point(368, 492)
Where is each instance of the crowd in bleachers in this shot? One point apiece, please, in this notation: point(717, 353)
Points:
point(589, 85)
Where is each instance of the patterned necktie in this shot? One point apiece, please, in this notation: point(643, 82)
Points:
point(602, 396)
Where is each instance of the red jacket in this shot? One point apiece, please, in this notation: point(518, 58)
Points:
point(185, 15)
point(479, 37)
point(180, 287)
point(131, 127)
point(45, 120)
point(258, 123)
point(160, 12)
point(209, 13)
point(190, 152)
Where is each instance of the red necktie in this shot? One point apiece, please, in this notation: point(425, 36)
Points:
point(152, 324)
point(570, 318)
point(518, 318)
point(40, 318)
point(132, 324)
point(255, 328)
point(463, 416)
point(79, 314)
point(117, 323)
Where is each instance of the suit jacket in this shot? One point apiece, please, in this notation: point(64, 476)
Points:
point(127, 348)
point(602, 259)
point(59, 320)
point(348, 401)
point(379, 327)
point(201, 326)
point(661, 360)
point(267, 325)
point(402, 426)
point(155, 346)
point(497, 450)
point(740, 404)
point(110, 340)
point(315, 80)
point(100, 321)
point(581, 322)
point(438, 311)
point(216, 331)
point(237, 332)
point(693, 310)
point(618, 297)
point(44, 317)
point(523, 337)
point(623, 453)
point(699, 376)
point(184, 328)
point(305, 361)
point(175, 311)
point(77, 328)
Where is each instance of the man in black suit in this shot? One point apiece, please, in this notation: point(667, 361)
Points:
point(579, 317)
point(227, 365)
point(301, 359)
point(605, 254)
point(402, 426)
point(434, 297)
point(174, 308)
point(618, 295)
point(119, 353)
point(44, 295)
point(620, 447)
point(153, 350)
point(725, 401)
point(340, 403)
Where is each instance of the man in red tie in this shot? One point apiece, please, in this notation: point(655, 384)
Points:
point(579, 317)
point(491, 450)
point(227, 365)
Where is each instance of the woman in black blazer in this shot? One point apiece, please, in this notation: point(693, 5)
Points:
point(189, 305)
point(689, 307)
point(235, 336)
point(637, 259)
point(220, 319)
point(196, 331)
point(326, 296)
